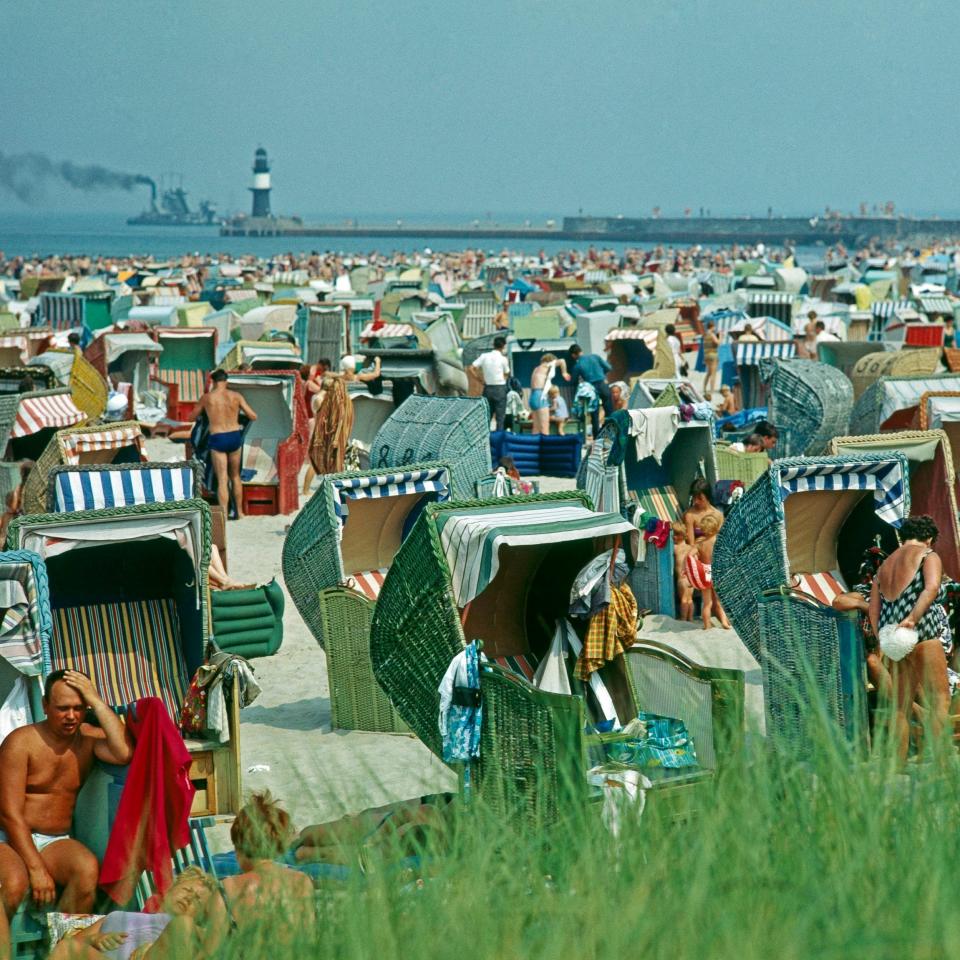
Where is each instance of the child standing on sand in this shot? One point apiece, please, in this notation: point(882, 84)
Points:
point(681, 550)
point(699, 569)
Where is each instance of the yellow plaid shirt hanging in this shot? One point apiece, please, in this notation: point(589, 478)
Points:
point(611, 631)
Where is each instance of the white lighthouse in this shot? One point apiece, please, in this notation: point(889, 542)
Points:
point(261, 184)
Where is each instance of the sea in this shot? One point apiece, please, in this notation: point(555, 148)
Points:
point(38, 233)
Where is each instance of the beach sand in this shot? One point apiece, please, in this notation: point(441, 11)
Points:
point(287, 744)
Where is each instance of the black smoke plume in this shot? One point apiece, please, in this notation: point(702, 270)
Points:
point(26, 174)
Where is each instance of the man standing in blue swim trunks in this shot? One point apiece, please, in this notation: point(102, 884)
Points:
point(222, 407)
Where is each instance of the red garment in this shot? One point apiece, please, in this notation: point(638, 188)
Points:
point(153, 816)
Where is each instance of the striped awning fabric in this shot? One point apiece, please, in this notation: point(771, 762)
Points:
point(750, 354)
point(36, 413)
point(61, 310)
point(18, 342)
point(885, 309)
point(884, 477)
point(21, 643)
point(97, 489)
point(649, 337)
point(190, 383)
point(387, 330)
point(433, 480)
point(936, 305)
point(471, 538)
point(771, 297)
point(725, 320)
point(900, 394)
point(72, 445)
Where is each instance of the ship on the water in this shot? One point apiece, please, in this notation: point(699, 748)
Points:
point(174, 211)
point(822, 230)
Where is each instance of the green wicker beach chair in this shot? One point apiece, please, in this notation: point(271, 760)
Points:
point(814, 672)
point(534, 749)
point(891, 403)
point(336, 554)
point(805, 525)
point(812, 400)
point(454, 430)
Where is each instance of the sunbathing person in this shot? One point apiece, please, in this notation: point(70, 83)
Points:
point(395, 827)
point(44, 766)
point(223, 407)
point(180, 929)
point(269, 904)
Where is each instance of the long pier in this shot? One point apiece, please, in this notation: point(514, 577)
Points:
point(707, 230)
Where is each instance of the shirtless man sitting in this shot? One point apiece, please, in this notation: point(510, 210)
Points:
point(44, 766)
point(222, 407)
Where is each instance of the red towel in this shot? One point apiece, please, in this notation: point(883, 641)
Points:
point(153, 816)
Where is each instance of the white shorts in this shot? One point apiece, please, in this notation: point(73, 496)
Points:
point(40, 840)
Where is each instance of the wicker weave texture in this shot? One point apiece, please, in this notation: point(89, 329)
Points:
point(898, 363)
point(455, 430)
point(664, 362)
point(812, 667)
point(745, 467)
point(810, 399)
point(89, 389)
point(924, 405)
point(356, 700)
point(865, 416)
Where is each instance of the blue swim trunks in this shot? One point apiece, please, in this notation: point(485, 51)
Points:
point(226, 442)
point(538, 401)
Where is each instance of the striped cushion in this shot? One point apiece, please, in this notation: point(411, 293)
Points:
point(661, 501)
point(821, 586)
point(130, 650)
point(523, 665)
point(369, 582)
point(190, 382)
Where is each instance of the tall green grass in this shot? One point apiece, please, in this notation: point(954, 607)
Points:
point(832, 856)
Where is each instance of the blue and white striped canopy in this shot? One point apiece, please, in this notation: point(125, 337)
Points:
point(887, 308)
point(432, 480)
point(96, 489)
point(750, 354)
point(885, 477)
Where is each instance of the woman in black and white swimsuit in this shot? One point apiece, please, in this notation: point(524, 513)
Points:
point(907, 592)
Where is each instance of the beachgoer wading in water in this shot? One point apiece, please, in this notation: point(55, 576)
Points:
point(222, 407)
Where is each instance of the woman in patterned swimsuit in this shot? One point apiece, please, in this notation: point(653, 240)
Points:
point(907, 592)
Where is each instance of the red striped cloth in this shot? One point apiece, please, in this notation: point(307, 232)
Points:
point(36, 413)
point(699, 574)
point(821, 586)
point(370, 582)
point(72, 445)
point(520, 664)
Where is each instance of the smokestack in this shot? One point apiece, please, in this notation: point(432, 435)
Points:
point(26, 174)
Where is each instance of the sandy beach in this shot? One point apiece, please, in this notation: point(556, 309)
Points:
point(287, 743)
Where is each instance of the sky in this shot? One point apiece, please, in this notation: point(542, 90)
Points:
point(525, 109)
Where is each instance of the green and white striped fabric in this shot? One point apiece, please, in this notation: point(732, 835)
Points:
point(471, 538)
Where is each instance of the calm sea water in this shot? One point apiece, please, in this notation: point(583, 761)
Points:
point(29, 234)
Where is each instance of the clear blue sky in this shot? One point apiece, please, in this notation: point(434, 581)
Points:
point(510, 107)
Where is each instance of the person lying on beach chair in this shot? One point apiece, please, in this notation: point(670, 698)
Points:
point(44, 766)
point(396, 828)
point(180, 928)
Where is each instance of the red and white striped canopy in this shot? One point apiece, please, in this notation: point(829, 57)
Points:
point(649, 337)
point(387, 330)
point(35, 413)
